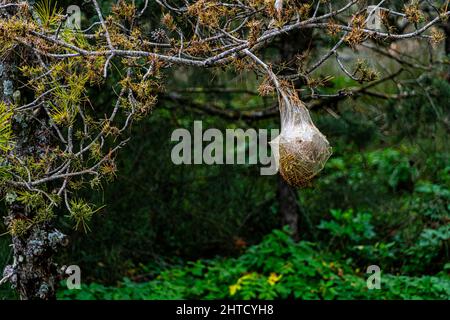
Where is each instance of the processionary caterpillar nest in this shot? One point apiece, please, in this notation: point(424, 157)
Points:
point(301, 150)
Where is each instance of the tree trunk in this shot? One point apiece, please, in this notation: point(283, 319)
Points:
point(32, 273)
point(446, 28)
point(287, 199)
point(289, 46)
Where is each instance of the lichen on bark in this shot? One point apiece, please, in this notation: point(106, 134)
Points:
point(32, 272)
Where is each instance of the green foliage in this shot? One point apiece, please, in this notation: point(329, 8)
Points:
point(423, 117)
point(5, 139)
point(19, 227)
point(428, 246)
point(348, 225)
point(48, 12)
point(5, 127)
point(277, 268)
point(31, 201)
point(382, 199)
point(393, 196)
point(81, 213)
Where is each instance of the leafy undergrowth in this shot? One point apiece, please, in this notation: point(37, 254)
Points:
point(398, 221)
point(277, 268)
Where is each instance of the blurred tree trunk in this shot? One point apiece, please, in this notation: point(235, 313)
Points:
point(446, 28)
point(289, 46)
point(287, 199)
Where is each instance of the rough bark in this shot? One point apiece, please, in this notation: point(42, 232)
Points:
point(32, 273)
